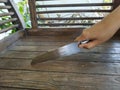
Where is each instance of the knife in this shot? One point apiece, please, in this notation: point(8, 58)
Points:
point(63, 51)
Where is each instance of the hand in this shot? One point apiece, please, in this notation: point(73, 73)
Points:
point(97, 34)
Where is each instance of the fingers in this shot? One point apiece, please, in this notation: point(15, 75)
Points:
point(90, 44)
point(80, 38)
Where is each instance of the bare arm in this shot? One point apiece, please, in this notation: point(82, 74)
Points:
point(101, 31)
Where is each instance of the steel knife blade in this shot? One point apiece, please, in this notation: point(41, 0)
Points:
point(63, 51)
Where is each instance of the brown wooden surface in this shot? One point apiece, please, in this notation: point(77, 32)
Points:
point(7, 41)
point(33, 13)
point(96, 69)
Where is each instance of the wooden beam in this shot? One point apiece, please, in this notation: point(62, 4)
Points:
point(80, 18)
point(33, 15)
point(6, 14)
point(72, 11)
point(5, 7)
point(3, 1)
point(75, 5)
point(65, 24)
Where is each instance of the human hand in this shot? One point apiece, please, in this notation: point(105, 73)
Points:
point(96, 35)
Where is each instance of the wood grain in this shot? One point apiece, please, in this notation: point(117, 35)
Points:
point(39, 80)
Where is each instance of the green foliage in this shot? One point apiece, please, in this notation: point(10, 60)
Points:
point(4, 18)
point(24, 10)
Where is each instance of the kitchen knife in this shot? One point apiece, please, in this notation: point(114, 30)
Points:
point(63, 51)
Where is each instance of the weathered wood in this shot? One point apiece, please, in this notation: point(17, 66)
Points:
point(16, 14)
point(33, 13)
point(116, 3)
point(3, 1)
point(9, 28)
point(19, 55)
point(6, 21)
point(34, 43)
point(6, 14)
point(5, 7)
point(80, 18)
point(72, 11)
point(55, 31)
point(104, 66)
point(4, 43)
point(54, 80)
point(66, 24)
point(74, 5)
point(33, 48)
point(13, 88)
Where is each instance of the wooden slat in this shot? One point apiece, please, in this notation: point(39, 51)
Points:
point(6, 14)
point(3, 1)
point(16, 14)
point(13, 88)
point(76, 64)
point(72, 11)
point(56, 80)
point(6, 21)
point(5, 7)
point(55, 31)
point(66, 24)
point(33, 48)
point(80, 18)
point(19, 55)
point(75, 5)
point(9, 28)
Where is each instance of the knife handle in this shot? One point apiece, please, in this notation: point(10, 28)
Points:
point(83, 42)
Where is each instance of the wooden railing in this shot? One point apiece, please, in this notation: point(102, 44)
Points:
point(43, 15)
point(10, 19)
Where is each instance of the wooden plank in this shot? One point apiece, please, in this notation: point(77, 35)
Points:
point(54, 80)
point(12, 88)
point(5, 7)
point(66, 24)
point(4, 43)
point(19, 55)
point(34, 43)
point(74, 5)
point(72, 11)
point(6, 14)
point(33, 13)
point(9, 28)
point(25, 42)
point(55, 31)
point(81, 18)
point(49, 48)
point(3, 1)
point(73, 64)
point(16, 14)
point(33, 48)
point(49, 38)
point(6, 21)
